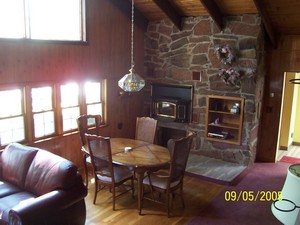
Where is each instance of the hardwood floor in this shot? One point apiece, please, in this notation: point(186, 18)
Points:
point(197, 194)
point(293, 151)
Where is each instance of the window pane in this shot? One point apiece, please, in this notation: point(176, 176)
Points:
point(69, 118)
point(55, 19)
point(12, 24)
point(43, 124)
point(69, 95)
point(41, 99)
point(94, 109)
point(12, 130)
point(92, 92)
point(13, 99)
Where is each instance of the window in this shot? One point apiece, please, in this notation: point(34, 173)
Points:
point(11, 116)
point(70, 95)
point(51, 109)
point(70, 105)
point(43, 20)
point(42, 110)
point(93, 97)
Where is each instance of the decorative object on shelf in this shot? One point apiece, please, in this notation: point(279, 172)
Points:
point(235, 108)
point(222, 135)
point(225, 53)
point(230, 76)
point(131, 82)
point(217, 120)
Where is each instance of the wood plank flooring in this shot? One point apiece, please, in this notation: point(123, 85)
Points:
point(197, 194)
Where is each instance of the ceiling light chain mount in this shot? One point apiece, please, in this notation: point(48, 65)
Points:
point(131, 82)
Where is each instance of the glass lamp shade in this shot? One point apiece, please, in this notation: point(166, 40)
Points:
point(131, 82)
point(287, 210)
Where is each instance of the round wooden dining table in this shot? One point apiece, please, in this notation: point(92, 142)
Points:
point(140, 156)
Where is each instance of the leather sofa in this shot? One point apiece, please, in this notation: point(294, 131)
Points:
point(38, 187)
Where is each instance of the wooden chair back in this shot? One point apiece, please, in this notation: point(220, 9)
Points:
point(105, 173)
point(89, 124)
point(145, 129)
point(101, 158)
point(170, 180)
point(179, 152)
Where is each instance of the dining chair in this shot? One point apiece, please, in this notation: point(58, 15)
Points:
point(169, 181)
point(87, 124)
point(107, 174)
point(145, 129)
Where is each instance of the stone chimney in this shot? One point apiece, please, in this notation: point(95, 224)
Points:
point(188, 56)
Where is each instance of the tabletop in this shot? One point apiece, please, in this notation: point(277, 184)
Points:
point(142, 154)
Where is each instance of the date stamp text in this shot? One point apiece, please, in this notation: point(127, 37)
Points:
point(252, 196)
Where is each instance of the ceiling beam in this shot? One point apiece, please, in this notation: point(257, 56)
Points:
point(214, 11)
point(125, 6)
point(169, 10)
point(266, 21)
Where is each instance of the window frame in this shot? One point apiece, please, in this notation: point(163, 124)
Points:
point(23, 107)
point(83, 97)
point(28, 114)
point(61, 108)
point(27, 34)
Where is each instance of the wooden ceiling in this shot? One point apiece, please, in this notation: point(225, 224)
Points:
point(280, 17)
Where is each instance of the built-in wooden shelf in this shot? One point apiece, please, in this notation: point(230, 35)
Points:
point(224, 119)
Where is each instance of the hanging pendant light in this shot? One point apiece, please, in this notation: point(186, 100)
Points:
point(295, 81)
point(131, 82)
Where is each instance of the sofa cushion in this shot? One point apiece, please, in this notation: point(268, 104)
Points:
point(49, 172)
point(16, 159)
point(8, 202)
point(8, 189)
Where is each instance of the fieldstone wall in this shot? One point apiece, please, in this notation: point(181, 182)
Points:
point(188, 56)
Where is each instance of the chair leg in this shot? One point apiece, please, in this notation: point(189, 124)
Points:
point(168, 204)
point(172, 200)
point(151, 189)
point(181, 195)
point(96, 191)
point(132, 186)
point(114, 197)
point(142, 199)
point(86, 171)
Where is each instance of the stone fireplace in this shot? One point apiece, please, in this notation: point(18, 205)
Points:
point(188, 57)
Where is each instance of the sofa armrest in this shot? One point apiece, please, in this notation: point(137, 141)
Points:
point(36, 211)
point(1, 165)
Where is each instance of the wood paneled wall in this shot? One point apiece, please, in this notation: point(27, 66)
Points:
point(286, 58)
point(106, 55)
